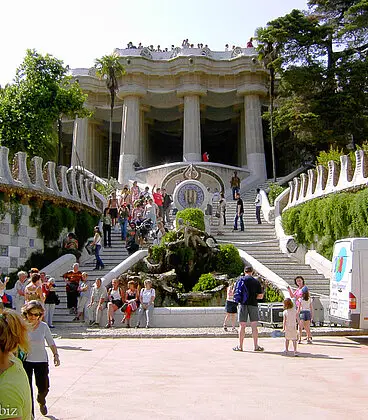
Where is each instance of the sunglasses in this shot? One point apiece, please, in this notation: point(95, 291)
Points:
point(35, 314)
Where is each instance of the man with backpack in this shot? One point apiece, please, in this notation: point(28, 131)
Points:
point(247, 292)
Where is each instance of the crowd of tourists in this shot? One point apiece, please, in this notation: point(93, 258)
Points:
point(135, 213)
point(185, 44)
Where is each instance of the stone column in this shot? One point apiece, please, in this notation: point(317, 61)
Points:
point(130, 133)
point(255, 155)
point(143, 151)
point(80, 142)
point(192, 122)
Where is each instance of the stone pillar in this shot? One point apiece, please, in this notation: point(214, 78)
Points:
point(192, 122)
point(192, 129)
point(242, 152)
point(130, 132)
point(254, 147)
point(143, 132)
point(80, 142)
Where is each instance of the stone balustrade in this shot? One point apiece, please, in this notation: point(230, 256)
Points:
point(57, 181)
point(320, 181)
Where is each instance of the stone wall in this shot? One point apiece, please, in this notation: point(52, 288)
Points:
point(17, 246)
point(31, 180)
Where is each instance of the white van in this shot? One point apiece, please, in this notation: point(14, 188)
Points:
point(349, 283)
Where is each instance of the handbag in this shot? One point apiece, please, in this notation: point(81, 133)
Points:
point(57, 299)
point(217, 214)
point(123, 308)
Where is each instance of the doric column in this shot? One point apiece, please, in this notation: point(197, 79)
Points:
point(192, 122)
point(80, 142)
point(254, 146)
point(130, 132)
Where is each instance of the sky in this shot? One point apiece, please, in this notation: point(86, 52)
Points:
point(79, 31)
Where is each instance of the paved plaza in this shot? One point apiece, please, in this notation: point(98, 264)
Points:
point(202, 378)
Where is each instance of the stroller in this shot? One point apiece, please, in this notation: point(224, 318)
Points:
point(144, 229)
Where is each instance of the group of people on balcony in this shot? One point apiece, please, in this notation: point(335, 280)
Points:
point(185, 44)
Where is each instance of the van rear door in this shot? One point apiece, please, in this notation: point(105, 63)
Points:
point(363, 257)
point(340, 285)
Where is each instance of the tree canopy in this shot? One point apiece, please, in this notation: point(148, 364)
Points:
point(41, 93)
point(320, 58)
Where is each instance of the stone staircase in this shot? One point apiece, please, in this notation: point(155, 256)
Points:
point(110, 256)
point(261, 243)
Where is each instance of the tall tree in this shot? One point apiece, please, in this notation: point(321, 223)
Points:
point(109, 68)
point(31, 106)
point(322, 73)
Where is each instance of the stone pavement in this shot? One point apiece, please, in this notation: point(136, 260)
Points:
point(187, 378)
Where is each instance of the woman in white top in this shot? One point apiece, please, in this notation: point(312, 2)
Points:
point(97, 244)
point(147, 298)
point(116, 299)
point(37, 360)
point(231, 307)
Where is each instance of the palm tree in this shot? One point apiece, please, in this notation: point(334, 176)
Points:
point(109, 68)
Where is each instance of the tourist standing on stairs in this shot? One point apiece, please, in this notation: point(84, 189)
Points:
point(97, 244)
point(258, 203)
point(123, 220)
point(222, 212)
point(166, 205)
point(106, 227)
point(235, 184)
point(113, 208)
point(239, 213)
point(158, 199)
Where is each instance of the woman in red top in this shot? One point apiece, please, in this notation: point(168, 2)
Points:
point(158, 199)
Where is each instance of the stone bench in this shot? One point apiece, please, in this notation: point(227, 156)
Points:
point(176, 317)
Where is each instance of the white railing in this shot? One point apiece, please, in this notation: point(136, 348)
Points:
point(50, 179)
point(320, 181)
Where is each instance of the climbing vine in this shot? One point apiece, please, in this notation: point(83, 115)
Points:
point(322, 221)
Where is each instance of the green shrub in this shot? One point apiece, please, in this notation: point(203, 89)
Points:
point(170, 236)
point(228, 261)
point(68, 218)
point(85, 223)
point(157, 253)
point(205, 282)
point(271, 294)
point(274, 191)
point(322, 221)
point(332, 154)
point(194, 217)
point(50, 221)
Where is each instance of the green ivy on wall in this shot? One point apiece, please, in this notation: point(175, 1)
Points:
point(322, 221)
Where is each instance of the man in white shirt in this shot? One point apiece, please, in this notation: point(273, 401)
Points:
point(258, 203)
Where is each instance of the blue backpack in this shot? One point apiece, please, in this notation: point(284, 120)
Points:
point(241, 292)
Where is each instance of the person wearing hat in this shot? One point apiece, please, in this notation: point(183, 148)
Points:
point(248, 291)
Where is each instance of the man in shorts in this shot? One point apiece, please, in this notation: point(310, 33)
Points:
point(249, 309)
